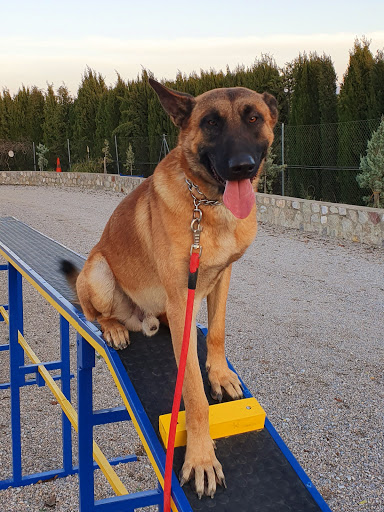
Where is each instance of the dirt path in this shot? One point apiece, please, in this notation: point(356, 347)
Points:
point(304, 330)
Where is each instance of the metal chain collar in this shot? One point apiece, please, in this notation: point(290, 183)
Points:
point(198, 214)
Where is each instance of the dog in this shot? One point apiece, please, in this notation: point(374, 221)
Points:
point(138, 271)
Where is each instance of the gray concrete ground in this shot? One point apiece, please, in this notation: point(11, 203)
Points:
point(304, 330)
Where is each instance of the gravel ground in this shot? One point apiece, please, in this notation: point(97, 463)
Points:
point(304, 329)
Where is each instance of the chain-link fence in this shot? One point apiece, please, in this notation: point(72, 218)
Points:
point(121, 155)
point(320, 162)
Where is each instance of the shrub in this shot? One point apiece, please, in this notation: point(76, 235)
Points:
point(93, 166)
point(372, 168)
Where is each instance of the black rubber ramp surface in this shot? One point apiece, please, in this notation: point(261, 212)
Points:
point(258, 476)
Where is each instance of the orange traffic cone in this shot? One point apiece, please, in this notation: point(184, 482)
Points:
point(58, 166)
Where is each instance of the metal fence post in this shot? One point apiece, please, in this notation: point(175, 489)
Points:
point(69, 155)
point(16, 356)
point(34, 156)
point(282, 161)
point(117, 157)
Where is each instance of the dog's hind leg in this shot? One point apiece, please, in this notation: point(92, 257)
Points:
point(103, 300)
point(134, 318)
point(219, 375)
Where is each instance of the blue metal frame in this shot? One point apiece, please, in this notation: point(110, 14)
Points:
point(86, 417)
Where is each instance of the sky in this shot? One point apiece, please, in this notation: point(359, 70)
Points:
point(52, 42)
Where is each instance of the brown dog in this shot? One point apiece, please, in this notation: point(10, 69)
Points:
point(139, 269)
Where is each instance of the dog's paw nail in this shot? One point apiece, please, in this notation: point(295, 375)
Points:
point(217, 396)
point(182, 481)
point(223, 483)
point(199, 495)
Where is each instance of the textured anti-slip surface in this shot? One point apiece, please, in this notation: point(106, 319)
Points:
point(258, 475)
point(39, 252)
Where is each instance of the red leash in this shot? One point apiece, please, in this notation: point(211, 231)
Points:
point(192, 279)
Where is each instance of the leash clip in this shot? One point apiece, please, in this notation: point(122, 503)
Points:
point(196, 230)
point(198, 214)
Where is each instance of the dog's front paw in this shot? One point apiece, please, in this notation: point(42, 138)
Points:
point(202, 464)
point(221, 377)
point(150, 325)
point(115, 334)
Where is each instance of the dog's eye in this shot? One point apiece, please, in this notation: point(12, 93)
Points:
point(253, 119)
point(212, 122)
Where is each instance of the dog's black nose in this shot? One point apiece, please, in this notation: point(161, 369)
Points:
point(241, 164)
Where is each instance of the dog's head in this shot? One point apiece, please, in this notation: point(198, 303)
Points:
point(225, 135)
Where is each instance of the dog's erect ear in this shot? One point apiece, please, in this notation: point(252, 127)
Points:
point(272, 104)
point(178, 105)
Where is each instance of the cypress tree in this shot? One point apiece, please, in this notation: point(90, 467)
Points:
point(35, 115)
point(371, 176)
point(354, 105)
point(101, 122)
point(3, 119)
point(7, 115)
point(19, 124)
point(63, 124)
point(86, 106)
point(49, 125)
point(312, 80)
point(377, 101)
point(133, 127)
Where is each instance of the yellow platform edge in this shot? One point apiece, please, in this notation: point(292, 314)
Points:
point(226, 419)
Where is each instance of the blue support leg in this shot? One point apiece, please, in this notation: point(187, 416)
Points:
point(16, 356)
point(160, 489)
point(66, 389)
point(85, 363)
point(3, 347)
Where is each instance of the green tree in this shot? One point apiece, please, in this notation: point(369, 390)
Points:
point(35, 115)
point(107, 157)
point(4, 129)
point(354, 104)
point(86, 106)
point(49, 123)
point(270, 178)
point(129, 159)
point(134, 126)
point(19, 123)
point(63, 123)
point(41, 152)
point(310, 136)
point(377, 100)
point(372, 168)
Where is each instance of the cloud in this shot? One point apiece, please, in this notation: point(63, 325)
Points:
point(42, 60)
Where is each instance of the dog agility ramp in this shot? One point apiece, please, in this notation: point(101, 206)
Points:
point(261, 473)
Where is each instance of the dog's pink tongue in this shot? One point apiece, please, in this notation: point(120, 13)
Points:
point(239, 197)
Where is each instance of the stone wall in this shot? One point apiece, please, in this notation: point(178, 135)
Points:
point(111, 182)
point(356, 223)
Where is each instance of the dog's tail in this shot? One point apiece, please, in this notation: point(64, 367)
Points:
point(71, 274)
